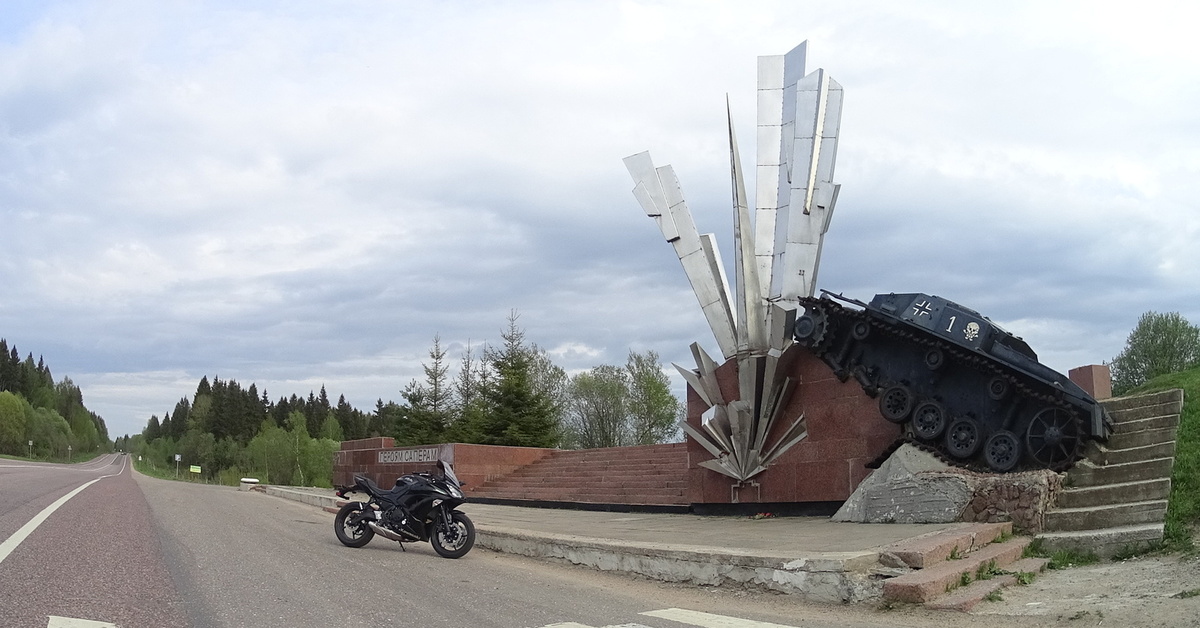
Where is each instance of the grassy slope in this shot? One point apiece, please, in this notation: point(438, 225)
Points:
point(1183, 511)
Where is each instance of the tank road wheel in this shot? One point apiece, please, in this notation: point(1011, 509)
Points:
point(963, 438)
point(860, 330)
point(934, 359)
point(998, 388)
point(896, 403)
point(809, 329)
point(929, 420)
point(1002, 451)
point(1053, 438)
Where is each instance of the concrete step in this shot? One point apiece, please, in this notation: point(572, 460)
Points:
point(1153, 422)
point(1100, 517)
point(1120, 404)
point(1085, 473)
point(932, 549)
point(1104, 542)
point(931, 582)
point(1121, 493)
point(1145, 412)
point(1103, 455)
point(1141, 439)
point(966, 598)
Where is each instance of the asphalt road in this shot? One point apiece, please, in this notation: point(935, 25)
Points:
point(136, 551)
point(95, 558)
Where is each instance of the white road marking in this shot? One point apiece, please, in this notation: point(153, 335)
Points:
point(684, 616)
point(571, 624)
point(708, 620)
point(71, 622)
point(13, 541)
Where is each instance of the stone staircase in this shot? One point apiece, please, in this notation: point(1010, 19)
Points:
point(649, 475)
point(1117, 496)
point(958, 568)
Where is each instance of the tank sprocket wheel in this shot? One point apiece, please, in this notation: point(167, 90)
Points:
point(1002, 451)
point(963, 438)
point(896, 403)
point(929, 420)
point(809, 329)
point(1053, 438)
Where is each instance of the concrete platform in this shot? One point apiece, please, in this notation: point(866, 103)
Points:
point(811, 557)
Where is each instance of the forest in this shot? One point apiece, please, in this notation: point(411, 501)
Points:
point(511, 394)
point(41, 418)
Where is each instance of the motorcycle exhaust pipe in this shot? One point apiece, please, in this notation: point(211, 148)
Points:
point(388, 534)
point(384, 532)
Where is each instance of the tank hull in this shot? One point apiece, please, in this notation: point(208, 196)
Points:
point(959, 383)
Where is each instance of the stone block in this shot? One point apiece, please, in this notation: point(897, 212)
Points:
point(1095, 379)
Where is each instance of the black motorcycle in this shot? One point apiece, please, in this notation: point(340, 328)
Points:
point(420, 507)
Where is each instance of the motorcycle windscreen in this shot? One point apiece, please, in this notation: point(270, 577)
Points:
point(448, 469)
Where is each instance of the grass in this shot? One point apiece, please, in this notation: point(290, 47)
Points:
point(954, 554)
point(1133, 550)
point(75, 458)
point(1186, 594)
point(1025, 577)
point(1060, 559)
point(987, 571)
point(1183, 509)
point(994, 596)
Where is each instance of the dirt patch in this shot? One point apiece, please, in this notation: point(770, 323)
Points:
point(1151, 591)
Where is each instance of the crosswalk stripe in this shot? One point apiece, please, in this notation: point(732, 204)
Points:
point(708, 620)
point(70, 622)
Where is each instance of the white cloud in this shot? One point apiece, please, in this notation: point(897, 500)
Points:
point(301, 194)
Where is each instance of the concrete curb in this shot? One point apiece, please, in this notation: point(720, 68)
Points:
point(838, 577)
point(830, 577)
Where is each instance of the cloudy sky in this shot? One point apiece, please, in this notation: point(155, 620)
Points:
point(305, 193)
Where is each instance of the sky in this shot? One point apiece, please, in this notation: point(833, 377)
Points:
point(297, 194)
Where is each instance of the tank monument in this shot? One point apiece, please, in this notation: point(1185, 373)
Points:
point(907, 408)
point(979, 429)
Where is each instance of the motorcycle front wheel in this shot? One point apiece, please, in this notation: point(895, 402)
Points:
point(454, 538)
point(351, 534)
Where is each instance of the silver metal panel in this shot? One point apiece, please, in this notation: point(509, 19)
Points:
point(708, 370)
point(641, 168)
point(677, 208)
point(693, 380)
point(661, 216)
point(777, 255)
point(770, 107)
point(767, 155)
point(750, 315)
point(793, 64)
point(770, 71)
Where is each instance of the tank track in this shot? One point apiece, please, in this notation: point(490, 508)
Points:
point(835, 315)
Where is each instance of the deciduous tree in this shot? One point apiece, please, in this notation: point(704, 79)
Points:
point(1159, 344)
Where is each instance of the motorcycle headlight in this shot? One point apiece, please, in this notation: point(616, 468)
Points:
point(454, 491)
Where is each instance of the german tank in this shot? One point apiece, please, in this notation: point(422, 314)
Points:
point(957, 381)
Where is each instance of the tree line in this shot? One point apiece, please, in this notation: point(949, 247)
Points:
point(34, 408)
point(510, 394)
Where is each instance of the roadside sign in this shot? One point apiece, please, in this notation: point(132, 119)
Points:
point(195, 468)
point(178, 457)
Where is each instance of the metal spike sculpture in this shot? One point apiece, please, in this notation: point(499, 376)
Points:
point(775, 261)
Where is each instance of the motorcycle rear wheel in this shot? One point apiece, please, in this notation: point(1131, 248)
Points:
point(454, 538)
point(349, 534)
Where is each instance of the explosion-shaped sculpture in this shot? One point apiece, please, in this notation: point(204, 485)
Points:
point(775, 261)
